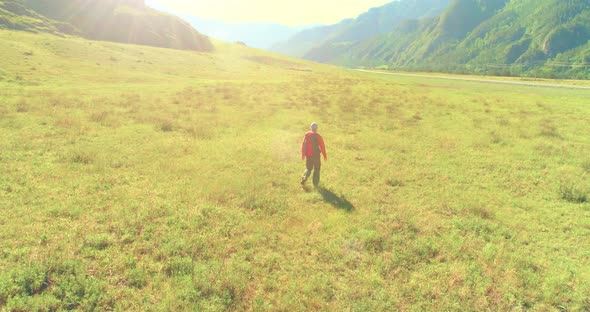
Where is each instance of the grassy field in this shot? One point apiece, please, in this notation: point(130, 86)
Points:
point(137, 178)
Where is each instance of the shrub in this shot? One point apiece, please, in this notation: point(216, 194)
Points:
point(75, 288)
point(199, 132)
point(394, 182)
point(38, 287)
point(137, 278)
point(99, 116)
point(549, 130)
point(22, 106)
point(21, 282)
point(372, 241)
point(167, 126)
point(481, 212)
point(495, 138)
point(573, 194)
point(267, 205)
point(68, 123)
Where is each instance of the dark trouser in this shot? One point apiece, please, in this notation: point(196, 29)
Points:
point(313, 164)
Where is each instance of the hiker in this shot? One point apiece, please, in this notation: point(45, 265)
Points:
point(312, 146)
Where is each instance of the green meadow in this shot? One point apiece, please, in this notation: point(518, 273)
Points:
point(136, 178)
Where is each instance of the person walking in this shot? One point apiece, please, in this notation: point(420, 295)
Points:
point(312, 149)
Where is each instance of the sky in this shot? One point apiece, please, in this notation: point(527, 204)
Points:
point(286, 12)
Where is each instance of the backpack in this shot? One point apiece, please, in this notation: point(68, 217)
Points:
point(315, 146)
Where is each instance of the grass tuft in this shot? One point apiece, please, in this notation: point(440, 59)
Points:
point(394, 182)
point(137, 278)
point(482, 212)
point(97, 241)
point(548, 129)
point(167, 125)
point(22, 106)
point(179, 266)
point(82, 157)
point(99, 117)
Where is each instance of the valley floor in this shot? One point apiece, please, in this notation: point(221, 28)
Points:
point(135, 178)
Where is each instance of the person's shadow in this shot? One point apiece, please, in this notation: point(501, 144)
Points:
point(331, 198)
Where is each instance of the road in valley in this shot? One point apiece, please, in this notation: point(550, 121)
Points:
point(520, 83)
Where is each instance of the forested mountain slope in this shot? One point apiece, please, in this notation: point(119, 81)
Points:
point(320, 42)
point(541, 38)
point(549, 36)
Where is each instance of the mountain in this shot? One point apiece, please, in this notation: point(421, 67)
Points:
point(320, 42)
point(125, 21)
point(304, 41)
point(545, 38)
point(256, 35)
point(511, 37)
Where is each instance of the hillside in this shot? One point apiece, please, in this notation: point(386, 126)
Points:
point(125, 21)
point(319, 43)
point(548, 38)
point(140, 178)
point(13, 15)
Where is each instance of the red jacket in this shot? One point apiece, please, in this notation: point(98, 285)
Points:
point(307, 146)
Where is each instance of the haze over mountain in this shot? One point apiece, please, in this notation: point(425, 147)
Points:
point(548, 38)
point(125, 21)
point(256, 35)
